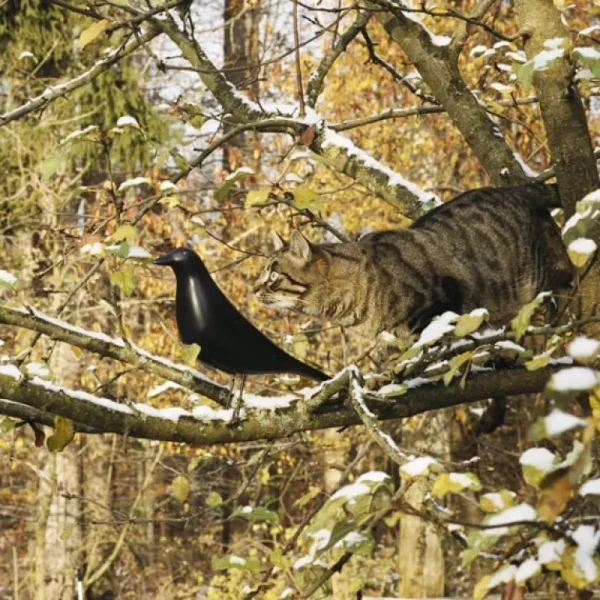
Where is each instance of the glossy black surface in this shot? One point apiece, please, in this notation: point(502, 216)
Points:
point(227, 340)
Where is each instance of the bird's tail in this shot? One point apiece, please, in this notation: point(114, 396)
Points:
point(308, 371)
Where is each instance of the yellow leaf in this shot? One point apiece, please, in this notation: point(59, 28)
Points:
point(557, 492)
point(481, 587)
point(124, 232)
point(190, 353)
point(469, 323)
point(304, 196)
point(521, 322)
point(62, 436)
point(541, 360)
point(92, 32)
point(180, 488)
point(257, 197)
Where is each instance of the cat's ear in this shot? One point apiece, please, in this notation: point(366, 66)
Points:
point(276, 241)
point(300, 246)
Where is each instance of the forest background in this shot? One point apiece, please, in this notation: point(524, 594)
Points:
point(128, 129)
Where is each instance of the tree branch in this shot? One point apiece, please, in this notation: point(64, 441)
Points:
point(439, 69)
point(205, 426)
point(115, 348)
point(62, 89)
point(314, 86)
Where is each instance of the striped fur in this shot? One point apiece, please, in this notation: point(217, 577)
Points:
point(492, 247)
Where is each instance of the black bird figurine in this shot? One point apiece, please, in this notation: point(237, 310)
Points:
point(227, 340)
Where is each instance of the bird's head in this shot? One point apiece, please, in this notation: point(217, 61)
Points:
point(178, 259)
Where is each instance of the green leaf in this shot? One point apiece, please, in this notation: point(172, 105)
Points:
point(51, 165)
point(122, 250)
point(540, 361)
point(257, 197)
point(214, 499)
point(123, 278)
point(7, 280)
point(455, 363)
point(258, 513)
point(64, 433)
point(313, 492)
point(7, 425)
point(222, 191)
point(467, 324)
point(92, 32)
point(521, 322)
point(233, 561)
point(304, 196)
point(190, 353)
point(525, 74)
point(125, 232)
point(590, 57)
point(180, 487)
point(451, 483)
point(340, 531)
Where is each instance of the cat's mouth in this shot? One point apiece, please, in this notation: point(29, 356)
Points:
point(278, 301)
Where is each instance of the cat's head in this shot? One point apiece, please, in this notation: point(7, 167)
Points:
point(291, 275)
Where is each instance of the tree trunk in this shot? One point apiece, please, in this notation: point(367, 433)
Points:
point(421, 559)
point(240, 51)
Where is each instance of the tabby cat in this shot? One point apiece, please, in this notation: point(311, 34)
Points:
point(491, 247)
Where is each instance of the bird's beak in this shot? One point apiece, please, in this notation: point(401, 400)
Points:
point(163, 260)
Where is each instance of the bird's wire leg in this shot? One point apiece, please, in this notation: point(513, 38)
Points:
point(238, 403)
point(230, 397)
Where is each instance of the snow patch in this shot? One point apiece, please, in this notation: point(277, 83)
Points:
point(587, 539)
point(7, 278)
point(11, 371)
point(590, 487)
point(416, 467)
point(575, 379)
point(583, 348)
point(558, 422)
point(351, 491)
point(127, 120)
point(539, 458)
point(516, 514)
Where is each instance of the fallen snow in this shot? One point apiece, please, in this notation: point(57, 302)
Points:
point(516, 514)
point(462, 479)
point(28, 54)
point(583, 348)
point(437, 329)
point(351, 491)
point(587, 539)
point(269, 402)
point(167, 186)
point(503, 576)
point(558, 422)
point(37, 369)
point(592, 197)
point(590, 487)
point(238, 172)
point(77, 134)
point(416, 467)
point(11, 371)
point(84, 396)
point(574, 379)
point(496, 499)
point(132, 251)
point(543, 59)
point(163, 387)
point(173, 413)
point(203, 412)
point(7, 277)
point(135, 181)
point(588, 52)
point(375, 476)
point(102, 337)
point(237, 560)
point(95, 249)
point(550, 551)
point(127, 120)
point(583, 246)
point(527, 569)
point(509, 345)
point(540, 458)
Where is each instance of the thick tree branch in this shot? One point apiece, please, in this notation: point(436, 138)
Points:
point(337, 151)
point(115, 348)
point(204, 426)
point(563, 113)
point(439, 69)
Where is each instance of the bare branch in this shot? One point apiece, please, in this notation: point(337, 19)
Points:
point(315, 83)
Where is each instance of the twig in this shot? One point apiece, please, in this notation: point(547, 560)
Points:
point(300, 90)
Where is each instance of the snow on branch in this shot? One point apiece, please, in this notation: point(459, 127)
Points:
point(337, 151)
point(116, 348)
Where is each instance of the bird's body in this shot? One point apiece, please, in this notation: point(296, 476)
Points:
point(227, 340)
